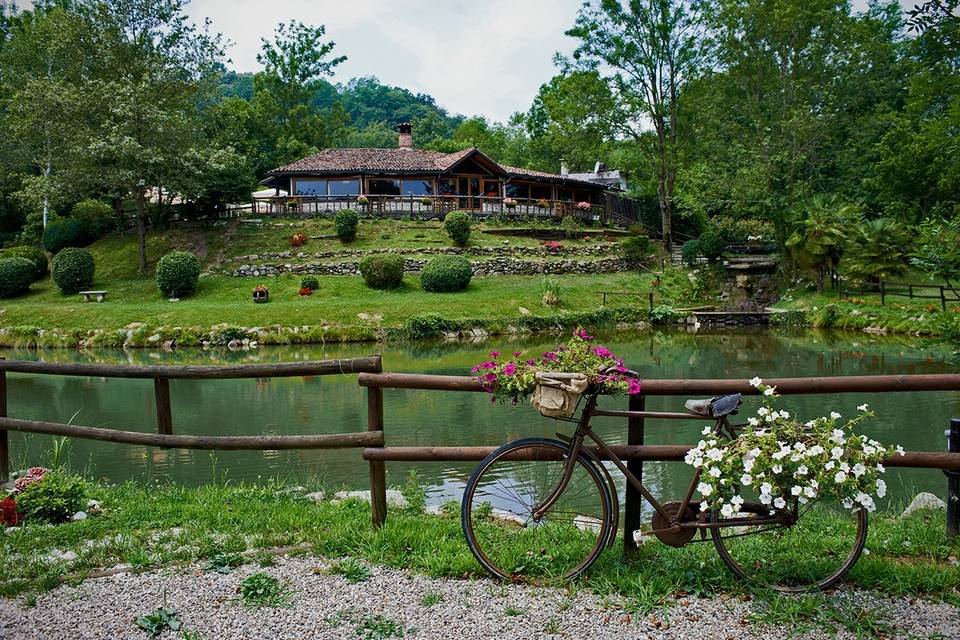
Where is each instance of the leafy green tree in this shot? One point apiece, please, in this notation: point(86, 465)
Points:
point(647, 51)
point(819, 235)
point(875, 250)
point(936, 250)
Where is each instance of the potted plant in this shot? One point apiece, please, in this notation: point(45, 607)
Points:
point(510, 203)
point(584, 206)
point(298, 239)
point(308, 284)
point(426, 201)
point(542, 203)
point(292, 204)
point(363, 200)
point(261, 293)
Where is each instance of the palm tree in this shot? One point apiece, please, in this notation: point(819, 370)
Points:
point(819, 234)
point(876, 250)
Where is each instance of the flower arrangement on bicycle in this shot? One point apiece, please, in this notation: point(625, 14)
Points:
point(513, 380)
point(789, 464)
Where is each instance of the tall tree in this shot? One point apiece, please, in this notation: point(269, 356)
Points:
point(647, 50)
point(152, 67)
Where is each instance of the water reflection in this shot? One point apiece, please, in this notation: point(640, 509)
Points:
point(337, 404)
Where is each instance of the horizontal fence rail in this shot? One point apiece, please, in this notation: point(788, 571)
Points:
point(635, 451)
point(161, 376)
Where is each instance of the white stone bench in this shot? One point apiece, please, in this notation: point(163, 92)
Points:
point(99, 296)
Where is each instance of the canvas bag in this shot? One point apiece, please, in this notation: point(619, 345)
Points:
point(556, 394)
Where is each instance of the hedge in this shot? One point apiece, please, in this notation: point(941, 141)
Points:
point(446, 273)
point(73, 270)
point(66, 232)
point(457, 224)
point(34, 255)
point(178, 274)
point(16, 276)
point(382, 271)
point(346, 222)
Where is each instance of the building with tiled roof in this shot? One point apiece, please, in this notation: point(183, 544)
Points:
point(396, 178)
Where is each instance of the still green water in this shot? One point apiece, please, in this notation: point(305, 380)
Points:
point(337, 404)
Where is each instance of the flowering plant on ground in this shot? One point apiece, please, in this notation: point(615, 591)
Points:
point(552, 245)
point(515, 379)
point(787, 463)
point(510, 203)
point(298, 239)
point(33, 474)
point(9, 516)
point(363, 200)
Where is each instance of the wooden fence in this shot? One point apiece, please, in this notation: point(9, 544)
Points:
point(161, 376)
point(943, 293)
point(635, 451)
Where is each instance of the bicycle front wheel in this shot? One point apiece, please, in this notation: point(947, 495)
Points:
point(498, 513)
point(813, 553)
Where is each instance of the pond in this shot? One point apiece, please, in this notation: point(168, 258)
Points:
point(337, 404)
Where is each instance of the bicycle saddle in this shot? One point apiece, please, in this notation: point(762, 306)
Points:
point(714, 407)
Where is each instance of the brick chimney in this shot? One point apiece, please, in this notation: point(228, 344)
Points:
point(405, 139)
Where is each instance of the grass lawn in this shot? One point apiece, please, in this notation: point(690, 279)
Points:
point(158, 525)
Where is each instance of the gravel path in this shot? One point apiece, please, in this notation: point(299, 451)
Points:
point(392, 602)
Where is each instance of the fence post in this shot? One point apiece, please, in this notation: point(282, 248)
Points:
point(4, 437)
point(883, 294)
point(943, 299)
point(633, 501)
point(378, 474)
point(953, 481)
point(161, 391)
point(651, 300)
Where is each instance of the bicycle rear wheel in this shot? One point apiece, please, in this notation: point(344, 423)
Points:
point(813, 553)
point(497, 513)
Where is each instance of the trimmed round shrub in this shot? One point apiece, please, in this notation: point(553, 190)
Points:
point(34, 255)
point(446, 273)
point(309, 282)
point(690, 252)
point(72, 270)
point(635, 248)
point(382, 271)
point(712, 245)
point(346, 223)
point(99, 217)
point(54, 498)
point(16, 276)
point(65, 232)
point(178, 274)
point(457, 224)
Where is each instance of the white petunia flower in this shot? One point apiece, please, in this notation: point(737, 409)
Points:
point(784, 414)
point(766, 498)
point(736, 501)
point(899, 450)
point(715, 472)
point(801, 500)
point(836, 453)
point(777, 468)
point(726, 511)
point(830, 465)
point(845, 467)
point(834, 415)
point(706, 431)
point(859, 469)
point(704, 489)
point(769, 391)
point(881, 468)
point(704, 506)
point(810, 492)
point(840, 478)
point(753, 422)
point(881, 488)
point(801, 470)
point(746, 478)
point(779, 503)
point(863, 407)
point(762, 411)
point(755, 382)
point(795, 490)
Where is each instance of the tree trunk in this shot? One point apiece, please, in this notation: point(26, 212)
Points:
point(141, 231)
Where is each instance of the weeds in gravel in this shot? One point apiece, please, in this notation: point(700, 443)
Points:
point(513, 611)
point(380, 627)
point(810, 612)
point(351, 569)
point(431, 598)
point(552, 627)
point(224, 563)
point(159, 620)
point(263, 590)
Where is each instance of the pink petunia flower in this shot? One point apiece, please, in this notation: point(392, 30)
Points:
point(633, 387)
point(494, 354)
point(490, 377)
point(510, 369)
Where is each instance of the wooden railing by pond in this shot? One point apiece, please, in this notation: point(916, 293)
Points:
point(884, 288)
point(161, 376)
point(634, 452)
point(396, 206)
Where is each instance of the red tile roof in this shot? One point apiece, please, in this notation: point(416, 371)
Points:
point(404, 161)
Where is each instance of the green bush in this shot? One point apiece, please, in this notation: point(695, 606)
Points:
point(98, 217)
point(34, 254)
point(663, 314)
point(457, 224)
point(570, 226)
point(712, 245)
point(72, 270)
point(178, 274)
point(65, 232)
point(32, 230)
point(54, 498)
point(346, 223)
point(16, 275)
point(635, 248)
point(690, 252)
point(425, 325)
point(446, 273)
point(382, 271)
point(637, 229)
point(309, 282)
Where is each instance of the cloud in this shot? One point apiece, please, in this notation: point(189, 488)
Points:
point(475, 58)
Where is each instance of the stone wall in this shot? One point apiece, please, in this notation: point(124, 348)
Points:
point(491, 267)
point(599, 249)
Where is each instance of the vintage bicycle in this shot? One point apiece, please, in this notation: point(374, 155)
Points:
point(543, 510)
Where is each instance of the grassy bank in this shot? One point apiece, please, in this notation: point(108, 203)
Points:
point(146, 527)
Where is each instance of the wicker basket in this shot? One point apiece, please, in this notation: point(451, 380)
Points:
point(556, 394)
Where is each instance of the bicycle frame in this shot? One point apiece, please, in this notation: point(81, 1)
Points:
point(677, 523)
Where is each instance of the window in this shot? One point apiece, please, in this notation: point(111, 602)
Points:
point(566, 195)
point(417, 187)
point(539, 191)
point(583, 195)
point(310, 188)
point(491, 189)
point(344, 187)
point(514, 190)
point(446, 186)
point(383, 187)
